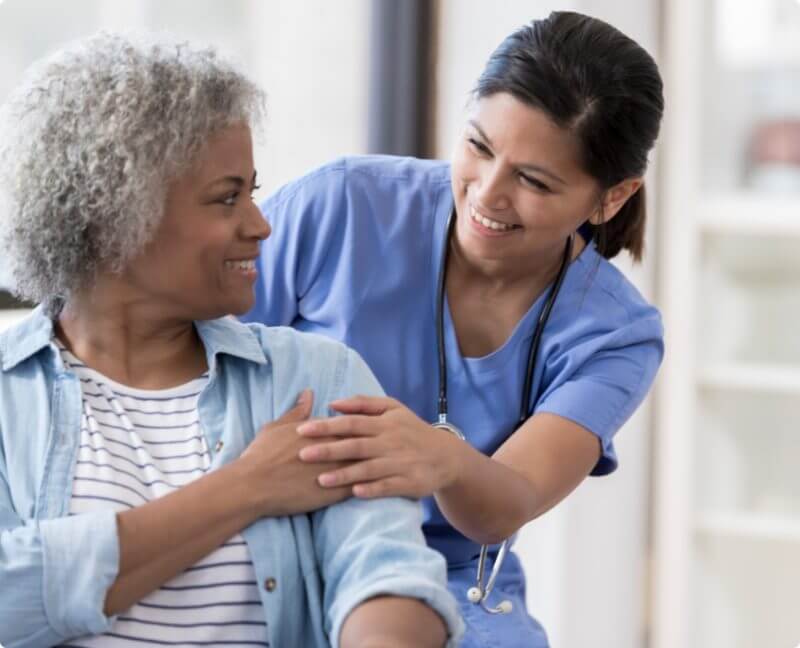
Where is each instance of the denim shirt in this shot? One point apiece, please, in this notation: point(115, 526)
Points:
point(55, 569)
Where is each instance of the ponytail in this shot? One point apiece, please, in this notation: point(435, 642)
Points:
point(623, 232)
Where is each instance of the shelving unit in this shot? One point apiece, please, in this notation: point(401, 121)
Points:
point(753, 527)
point(733, 213)
point(766, 378)
point(727, 497)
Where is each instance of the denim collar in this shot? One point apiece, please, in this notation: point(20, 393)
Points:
point(220, 336)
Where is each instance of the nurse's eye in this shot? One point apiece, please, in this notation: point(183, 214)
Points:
point(534, 183)
point(253, 189)
point(479, 147)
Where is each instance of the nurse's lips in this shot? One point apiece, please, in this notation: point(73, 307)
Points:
point(490, 224)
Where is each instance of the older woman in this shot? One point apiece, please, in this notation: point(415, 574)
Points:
point(141, 500)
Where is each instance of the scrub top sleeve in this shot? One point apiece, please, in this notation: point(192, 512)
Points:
point(306, 217)
point(602, 391)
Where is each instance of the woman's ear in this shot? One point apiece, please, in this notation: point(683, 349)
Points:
point(613, 200)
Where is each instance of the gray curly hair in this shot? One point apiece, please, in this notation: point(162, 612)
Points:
point(88, 145)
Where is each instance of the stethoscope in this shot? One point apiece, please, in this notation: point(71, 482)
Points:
point(480, 592)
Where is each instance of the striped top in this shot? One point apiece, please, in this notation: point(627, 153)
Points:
point(137, 445)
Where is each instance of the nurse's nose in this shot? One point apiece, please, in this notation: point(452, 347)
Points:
point(492, 192)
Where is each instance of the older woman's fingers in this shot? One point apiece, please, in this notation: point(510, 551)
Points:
point(363, 471)
point(346, 450)
point(343, 426)
point(371, 405)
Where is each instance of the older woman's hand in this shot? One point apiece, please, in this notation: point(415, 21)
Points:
point(282, 484)
point(390, 451)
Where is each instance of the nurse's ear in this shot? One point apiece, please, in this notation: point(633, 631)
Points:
point(613, 199)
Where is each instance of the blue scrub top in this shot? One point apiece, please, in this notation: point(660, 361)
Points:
point(355, 254)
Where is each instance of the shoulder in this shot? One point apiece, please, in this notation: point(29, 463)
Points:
point(363, 173)
point(611, 301)
point(285, 343)
point(300, 360)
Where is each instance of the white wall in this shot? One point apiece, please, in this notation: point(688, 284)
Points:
point(587, 560)
point(311, 57)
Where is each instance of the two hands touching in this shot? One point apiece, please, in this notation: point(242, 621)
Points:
point(376, 448)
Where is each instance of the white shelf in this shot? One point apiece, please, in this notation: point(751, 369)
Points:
point(751, 378)
point(750, 212)
point(750, 526)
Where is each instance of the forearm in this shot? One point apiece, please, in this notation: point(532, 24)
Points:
point(488, 501)
point(393, 622)
point(161, 539)
point(538, 466)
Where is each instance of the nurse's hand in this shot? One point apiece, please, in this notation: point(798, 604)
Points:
point(395, 453)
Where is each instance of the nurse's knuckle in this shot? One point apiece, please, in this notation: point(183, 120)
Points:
point(358, 447)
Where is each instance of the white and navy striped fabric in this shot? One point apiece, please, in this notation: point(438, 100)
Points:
point(136, 446)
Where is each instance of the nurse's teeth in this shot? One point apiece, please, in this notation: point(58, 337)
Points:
point(488, 222)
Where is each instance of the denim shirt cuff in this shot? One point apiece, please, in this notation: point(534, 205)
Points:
point(434, 595)
point(81, 561)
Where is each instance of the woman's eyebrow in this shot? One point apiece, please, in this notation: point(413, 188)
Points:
point(237, 180)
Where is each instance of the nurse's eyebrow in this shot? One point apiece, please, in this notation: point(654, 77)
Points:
point(528, 167)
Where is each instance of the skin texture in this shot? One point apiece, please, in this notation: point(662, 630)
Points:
point(516, 167)
point(137, 328)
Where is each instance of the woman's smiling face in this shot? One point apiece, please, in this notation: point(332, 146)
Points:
point(201, 262)
point(517, 182)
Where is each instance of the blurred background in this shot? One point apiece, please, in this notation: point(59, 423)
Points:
point(695, 540)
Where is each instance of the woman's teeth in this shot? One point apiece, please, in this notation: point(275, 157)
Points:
point(488, 222)
point(241, 265)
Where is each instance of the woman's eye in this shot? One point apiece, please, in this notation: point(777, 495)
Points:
point(230, 199)
point(253, 189)
point(478, 146)
point(533, 182)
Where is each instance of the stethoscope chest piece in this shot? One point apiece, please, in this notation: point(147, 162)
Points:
point(442, 424)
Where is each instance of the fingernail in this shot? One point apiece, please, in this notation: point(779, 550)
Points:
point(304, 428)
point(304, 397)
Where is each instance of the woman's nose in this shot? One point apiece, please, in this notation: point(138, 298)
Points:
point(492, 192)
point(257, 225)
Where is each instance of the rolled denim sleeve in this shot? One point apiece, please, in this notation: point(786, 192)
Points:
point(54, 575)
point(369, 548)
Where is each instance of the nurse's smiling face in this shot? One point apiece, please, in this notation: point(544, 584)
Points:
point(518, 185)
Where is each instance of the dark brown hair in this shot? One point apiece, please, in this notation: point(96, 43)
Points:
point(594, 81)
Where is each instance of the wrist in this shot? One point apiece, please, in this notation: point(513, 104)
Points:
point(455, 456)
point(244, 486)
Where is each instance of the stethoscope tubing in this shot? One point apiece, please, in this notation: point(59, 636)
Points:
point(480, 593)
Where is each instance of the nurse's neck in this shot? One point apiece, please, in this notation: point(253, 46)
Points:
point(531, 274)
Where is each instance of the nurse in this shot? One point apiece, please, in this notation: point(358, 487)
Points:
point(545, 185)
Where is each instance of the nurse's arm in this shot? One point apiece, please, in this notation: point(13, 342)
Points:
point(485, 498)
point(537, 467)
